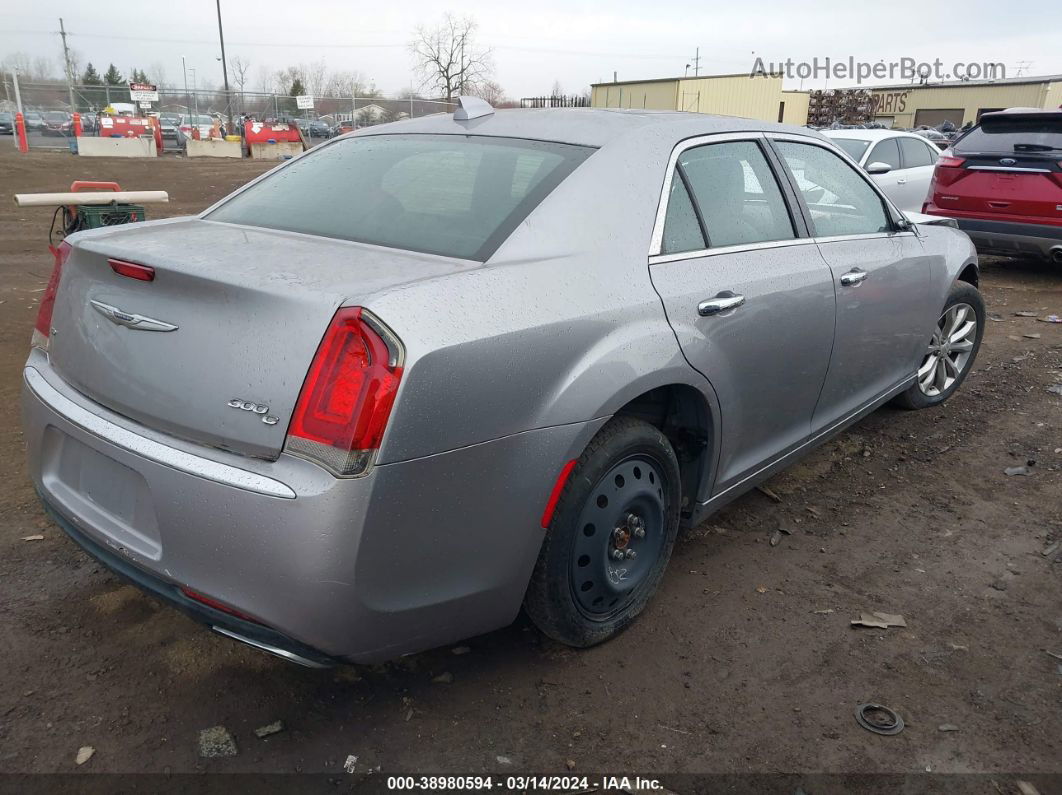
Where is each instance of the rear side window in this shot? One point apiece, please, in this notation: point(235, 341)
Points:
point(885, 152)
point(454, 195)
point(1007, 135)
point(682, 230)
point(839, 199)
point(915, 153)
point(736, 193)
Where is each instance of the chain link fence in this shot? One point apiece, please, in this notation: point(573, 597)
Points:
point(47, 108)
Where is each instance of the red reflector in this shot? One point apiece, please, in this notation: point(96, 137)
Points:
point(214, 603)
point(43, 327)
point(144, 273)
point(554, 497)
point(949, 161)
point(348, 393)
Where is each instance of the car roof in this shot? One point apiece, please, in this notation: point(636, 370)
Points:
point(582, 126)
point(869, 135)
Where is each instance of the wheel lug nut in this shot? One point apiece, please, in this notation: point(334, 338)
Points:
point(630, 554)
point(639, 533)
point(617, 554)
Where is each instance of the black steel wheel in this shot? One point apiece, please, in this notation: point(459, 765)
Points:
point(610, 538)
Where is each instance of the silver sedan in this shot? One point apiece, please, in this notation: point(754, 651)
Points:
point(441, 369)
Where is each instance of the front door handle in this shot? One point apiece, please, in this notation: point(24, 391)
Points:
point(901, 181)
point(854, 276)
point(721, 303)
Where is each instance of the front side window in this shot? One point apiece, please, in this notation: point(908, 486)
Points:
point(839, 199)
point(737, 194)
point(885, 152)
point(454, 195)
point(915, 153)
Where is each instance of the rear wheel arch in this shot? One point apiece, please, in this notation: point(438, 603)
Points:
point(688, 419)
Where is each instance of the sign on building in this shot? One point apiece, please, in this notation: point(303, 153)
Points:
point(304, 102)
point(143, 92)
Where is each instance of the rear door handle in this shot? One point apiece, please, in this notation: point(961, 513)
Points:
point(854, 276)
point(901, 181)
point(721, 303)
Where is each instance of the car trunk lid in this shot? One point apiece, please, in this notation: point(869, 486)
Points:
point(248, 306)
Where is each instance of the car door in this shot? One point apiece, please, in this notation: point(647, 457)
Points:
point(880, 272)
point(919, 158)
point(747, 293)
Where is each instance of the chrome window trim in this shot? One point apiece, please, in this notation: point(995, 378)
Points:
point(1009, 168)
point(133, 442)
point(657, 240)
point(656, 259)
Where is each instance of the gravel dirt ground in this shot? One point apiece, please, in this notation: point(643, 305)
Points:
point(744, 662)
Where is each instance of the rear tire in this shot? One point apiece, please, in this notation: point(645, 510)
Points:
point(610, 538)
point(951, 353)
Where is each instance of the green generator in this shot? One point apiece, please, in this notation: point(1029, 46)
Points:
point(93, 216)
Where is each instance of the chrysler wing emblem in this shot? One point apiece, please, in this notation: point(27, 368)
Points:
point(130, 320)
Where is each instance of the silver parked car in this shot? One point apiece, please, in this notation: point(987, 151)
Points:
point(443, 368)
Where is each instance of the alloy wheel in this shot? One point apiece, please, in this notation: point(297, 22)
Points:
point(949, 351)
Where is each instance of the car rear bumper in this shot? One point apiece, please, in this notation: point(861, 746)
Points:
point(1007, 237)
point(413, 555)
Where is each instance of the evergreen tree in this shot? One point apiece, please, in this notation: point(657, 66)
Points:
point(91, 77)
point(113, 77)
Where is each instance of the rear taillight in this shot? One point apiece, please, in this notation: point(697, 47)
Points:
point(950, 161)
point(143, 273)
point(348, 393)
point(42, 329)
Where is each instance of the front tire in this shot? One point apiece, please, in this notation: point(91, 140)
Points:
point(951, 352)
point(610, 537)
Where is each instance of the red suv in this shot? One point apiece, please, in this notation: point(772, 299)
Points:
point(1002, 182)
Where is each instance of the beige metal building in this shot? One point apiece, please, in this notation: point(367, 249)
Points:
point(959, 102)
point(727, 95)
point(902, 106)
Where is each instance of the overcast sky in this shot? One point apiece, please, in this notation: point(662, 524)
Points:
point(536, 43)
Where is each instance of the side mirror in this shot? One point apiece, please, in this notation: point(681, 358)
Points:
point(877, 167)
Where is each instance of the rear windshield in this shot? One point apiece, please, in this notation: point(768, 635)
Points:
point(455, 195)
point(852, 147)
point(1013, 135)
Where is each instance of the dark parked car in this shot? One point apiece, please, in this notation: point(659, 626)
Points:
point(1002, 182)
point(89, 122)
point(169, 124)
point(319, 129)
point(58, 122)
point(7, 123)
point(34, 119)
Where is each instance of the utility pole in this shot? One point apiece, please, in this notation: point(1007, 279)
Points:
point(66, 61)
point(184, 69)
point(224, 67)
point(696, 62)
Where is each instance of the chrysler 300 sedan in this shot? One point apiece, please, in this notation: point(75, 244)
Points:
point(439, 370)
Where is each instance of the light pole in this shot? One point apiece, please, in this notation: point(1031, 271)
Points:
point(184, 69)
point(195, 93)
point(224, 67)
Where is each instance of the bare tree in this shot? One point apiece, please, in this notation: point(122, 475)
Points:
point(556, 91)
point(314, 76)
point(240, 67)
point(490, 91)
point(447, 58)
point(267, 81)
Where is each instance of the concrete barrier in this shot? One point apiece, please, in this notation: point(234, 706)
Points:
point(89, 146)
point(213, 148)
point(281, 150)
